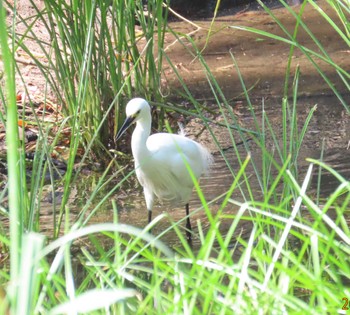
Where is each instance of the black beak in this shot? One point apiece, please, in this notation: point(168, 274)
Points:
point(127, 123)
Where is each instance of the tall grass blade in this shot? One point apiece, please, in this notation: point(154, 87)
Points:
point(29, 278)
point(93, 300)
point(16, 164)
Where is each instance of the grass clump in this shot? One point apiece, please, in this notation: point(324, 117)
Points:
point(98, 56)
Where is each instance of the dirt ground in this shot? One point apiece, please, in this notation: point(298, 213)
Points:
point(262, 61)
point(33, 78)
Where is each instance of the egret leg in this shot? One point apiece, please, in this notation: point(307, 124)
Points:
point(149, 216)
point(188, 225)
point(149, 202)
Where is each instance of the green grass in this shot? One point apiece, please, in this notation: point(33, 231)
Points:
point(294, 258)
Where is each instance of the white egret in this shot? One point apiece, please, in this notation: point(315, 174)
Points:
point(159, 160)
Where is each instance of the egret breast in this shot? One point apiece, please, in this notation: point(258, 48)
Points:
point(163, 183)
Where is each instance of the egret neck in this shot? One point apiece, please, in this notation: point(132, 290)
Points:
point(139, 138)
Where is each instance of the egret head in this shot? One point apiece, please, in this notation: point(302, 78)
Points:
point(136, 109)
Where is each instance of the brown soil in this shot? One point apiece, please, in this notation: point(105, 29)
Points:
point(262, 61)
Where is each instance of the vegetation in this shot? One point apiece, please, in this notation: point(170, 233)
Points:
point(293, 260)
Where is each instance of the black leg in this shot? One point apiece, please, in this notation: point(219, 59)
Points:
point(149, 216)
point(188, 226)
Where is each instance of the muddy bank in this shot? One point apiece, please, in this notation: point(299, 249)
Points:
point(262, 61)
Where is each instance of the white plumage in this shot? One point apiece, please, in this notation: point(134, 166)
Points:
point(160, 158)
